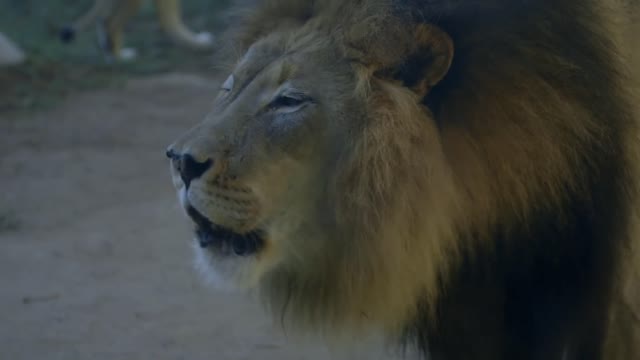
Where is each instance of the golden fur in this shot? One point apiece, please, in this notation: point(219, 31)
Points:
point(623, 341)
point(416, 190)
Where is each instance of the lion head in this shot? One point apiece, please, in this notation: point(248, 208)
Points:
point(318, 161)
point(323, 179)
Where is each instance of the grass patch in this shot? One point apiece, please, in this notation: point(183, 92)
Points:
point(53, 70)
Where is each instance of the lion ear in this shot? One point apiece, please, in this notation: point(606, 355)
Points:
point(417, 55)
point(427, 63)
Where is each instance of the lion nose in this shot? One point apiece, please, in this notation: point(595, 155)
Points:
point(188, 167)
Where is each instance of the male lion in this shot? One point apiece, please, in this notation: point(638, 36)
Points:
point(455, 173)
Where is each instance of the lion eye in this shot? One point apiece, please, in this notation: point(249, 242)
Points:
point(287, 103)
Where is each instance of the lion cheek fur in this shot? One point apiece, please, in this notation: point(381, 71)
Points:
point(370, 268)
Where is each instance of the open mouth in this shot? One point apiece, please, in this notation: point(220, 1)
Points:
point(222, 240)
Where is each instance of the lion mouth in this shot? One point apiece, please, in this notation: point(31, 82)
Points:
point(223, 240)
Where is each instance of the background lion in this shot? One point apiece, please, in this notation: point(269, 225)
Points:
point(111, 17)
point(456, 174)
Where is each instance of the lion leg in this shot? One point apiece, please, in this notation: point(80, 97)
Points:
point(524, 303)
point(170, 17)
point(99, 9)
point(466, 328)
point(481, 320)
point(110, 37)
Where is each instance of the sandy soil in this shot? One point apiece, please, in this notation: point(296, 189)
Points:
point(95, 260)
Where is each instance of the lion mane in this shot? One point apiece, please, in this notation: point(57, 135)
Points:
point(482, 212)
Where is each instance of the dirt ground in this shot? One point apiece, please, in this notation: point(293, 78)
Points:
point(95, 260)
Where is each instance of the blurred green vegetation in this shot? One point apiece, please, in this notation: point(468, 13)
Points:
point(54, 69)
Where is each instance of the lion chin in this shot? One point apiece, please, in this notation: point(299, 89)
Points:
point(225, 259)
point(224, 272)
